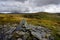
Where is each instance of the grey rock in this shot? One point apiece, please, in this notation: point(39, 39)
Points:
point(26, 32)
point(19, 39)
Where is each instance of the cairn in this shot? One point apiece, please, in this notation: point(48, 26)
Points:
point(25, 31)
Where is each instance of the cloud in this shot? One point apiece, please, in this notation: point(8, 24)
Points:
point(52, 8)
point(47, 8)
point(45, 2)
point(29, 6)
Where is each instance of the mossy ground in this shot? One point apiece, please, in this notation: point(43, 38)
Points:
point(51, 21)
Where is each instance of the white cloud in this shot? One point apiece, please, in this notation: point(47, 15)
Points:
point(29, 6)
point(52, 8)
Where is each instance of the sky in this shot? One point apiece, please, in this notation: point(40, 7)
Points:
point(29, 6)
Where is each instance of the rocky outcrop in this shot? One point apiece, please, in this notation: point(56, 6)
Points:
point(26, 31)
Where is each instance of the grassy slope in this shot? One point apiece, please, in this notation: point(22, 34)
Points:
point(51, 21)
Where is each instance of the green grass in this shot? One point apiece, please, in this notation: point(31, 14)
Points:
point(51, 21)
point(48, 20)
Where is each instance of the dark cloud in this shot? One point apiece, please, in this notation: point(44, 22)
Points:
point(20, 0)
point(29, 5)
point(46, 2)
point(14, 0)
point(38, 2)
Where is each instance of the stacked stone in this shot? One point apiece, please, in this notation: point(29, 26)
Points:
point(25, 32)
